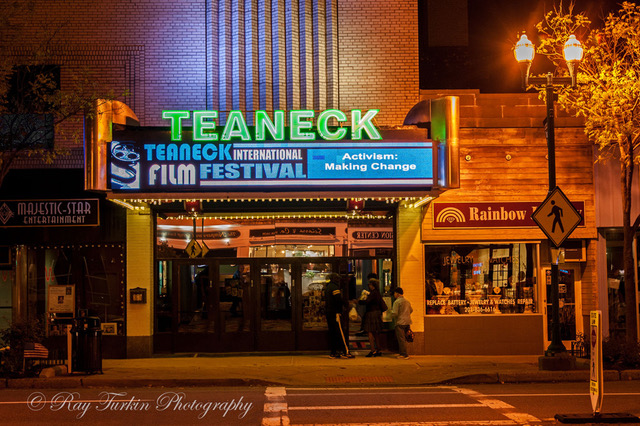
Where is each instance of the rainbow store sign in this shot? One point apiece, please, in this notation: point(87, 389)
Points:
point(267, 157)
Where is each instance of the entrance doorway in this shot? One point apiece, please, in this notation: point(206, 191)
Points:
point(239, 305)
point(569, 301)
point(254, 304)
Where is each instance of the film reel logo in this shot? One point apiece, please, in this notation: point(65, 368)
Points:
point(125, 166)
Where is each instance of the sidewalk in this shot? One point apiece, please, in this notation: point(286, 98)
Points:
point(311, 369)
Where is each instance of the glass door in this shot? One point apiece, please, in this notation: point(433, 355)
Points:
point(193, 306)
point(569, 304)
point(237, 311)
point(277, 307)
point(314, 277)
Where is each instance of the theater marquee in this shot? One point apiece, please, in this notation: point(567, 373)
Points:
point(268, 158)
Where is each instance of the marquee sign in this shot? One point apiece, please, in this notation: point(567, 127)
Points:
point(49, 212)
point(293, 230)
point(236, 159)
point(489, 214)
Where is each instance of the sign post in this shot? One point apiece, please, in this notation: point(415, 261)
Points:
point(595, 383)
point(557, 218)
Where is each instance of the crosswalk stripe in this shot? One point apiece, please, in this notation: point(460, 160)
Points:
point(384, 407)
point(502, 407)
point(275, 407)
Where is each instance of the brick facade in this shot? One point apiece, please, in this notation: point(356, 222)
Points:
point(378, 51)
point(234, 54)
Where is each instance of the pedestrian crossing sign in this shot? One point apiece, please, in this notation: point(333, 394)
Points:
point(193, 248)
point(557, 217)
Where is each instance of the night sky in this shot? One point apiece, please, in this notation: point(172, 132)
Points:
point(487, 61)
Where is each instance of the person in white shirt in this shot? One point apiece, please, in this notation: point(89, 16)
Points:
point(401, 311)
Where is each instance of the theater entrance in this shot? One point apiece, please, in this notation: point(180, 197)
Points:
point(241, 284)
point(244, 305)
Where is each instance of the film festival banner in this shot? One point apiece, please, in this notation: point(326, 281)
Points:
point(489, 214)
point(208, 167)
point(268, 156)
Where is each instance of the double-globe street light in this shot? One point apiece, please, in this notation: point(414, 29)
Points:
point(524, 52)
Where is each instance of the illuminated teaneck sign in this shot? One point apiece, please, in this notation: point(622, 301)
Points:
point(236, 160)
point(300, 125)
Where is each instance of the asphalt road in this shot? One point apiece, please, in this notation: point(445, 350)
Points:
point(509, 404)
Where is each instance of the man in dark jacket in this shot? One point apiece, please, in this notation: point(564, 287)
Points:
point(334, 310)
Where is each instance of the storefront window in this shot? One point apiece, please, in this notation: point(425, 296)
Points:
point(81, 280)
point(481, 279)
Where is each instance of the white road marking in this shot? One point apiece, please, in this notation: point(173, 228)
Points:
point(563, 394)
point(384, 407)
point(491, 401)
point(502, 407)
point(372, 393)
point(376, 388)
point(275, 408)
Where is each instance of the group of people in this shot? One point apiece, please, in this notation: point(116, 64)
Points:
point(336, 306)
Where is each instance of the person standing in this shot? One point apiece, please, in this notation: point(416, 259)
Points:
point(334, 306)
point(372, 322)
point(361, 309)
point(401, 311)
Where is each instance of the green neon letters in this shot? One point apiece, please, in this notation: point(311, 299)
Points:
point(176, 122)
point(263, 122)
point(203, 128)
point(323, 122)
point(359, 123)
point(236, 127)
point(300, 125)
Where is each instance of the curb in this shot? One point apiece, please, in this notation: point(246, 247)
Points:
point(96, 381)
point(48, 383)
point(542, 377)
point(472, 379)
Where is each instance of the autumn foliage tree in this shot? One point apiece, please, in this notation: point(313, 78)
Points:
point(607, 96)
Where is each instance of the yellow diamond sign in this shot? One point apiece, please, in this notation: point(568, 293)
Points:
point(557, 217)
point(193, 248)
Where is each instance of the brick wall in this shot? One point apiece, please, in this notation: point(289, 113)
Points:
point(378, 54)
point(233, 54)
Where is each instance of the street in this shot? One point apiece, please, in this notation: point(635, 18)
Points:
point(508, 404)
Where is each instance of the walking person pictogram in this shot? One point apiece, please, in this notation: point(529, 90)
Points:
point(557, 219)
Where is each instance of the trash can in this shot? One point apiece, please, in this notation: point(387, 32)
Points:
point(87, 345)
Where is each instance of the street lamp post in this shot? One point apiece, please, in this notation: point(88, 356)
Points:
point(524, 52)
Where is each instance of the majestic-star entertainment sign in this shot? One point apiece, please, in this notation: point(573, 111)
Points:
point(268, 156)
